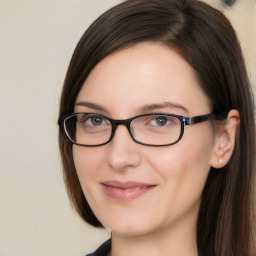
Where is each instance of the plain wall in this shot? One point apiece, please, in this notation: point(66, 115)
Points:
point(37, 38)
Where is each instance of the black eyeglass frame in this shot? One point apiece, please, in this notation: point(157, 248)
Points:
point(127, 122)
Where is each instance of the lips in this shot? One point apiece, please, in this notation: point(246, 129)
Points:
point(125, 190)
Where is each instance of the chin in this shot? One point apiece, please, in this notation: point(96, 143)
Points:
point(130, 229)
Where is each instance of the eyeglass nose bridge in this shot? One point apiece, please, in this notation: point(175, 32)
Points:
point(116, 123)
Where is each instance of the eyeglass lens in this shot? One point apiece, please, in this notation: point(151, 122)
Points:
point(93, 129)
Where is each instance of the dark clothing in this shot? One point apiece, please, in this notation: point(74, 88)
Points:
point(103, 250)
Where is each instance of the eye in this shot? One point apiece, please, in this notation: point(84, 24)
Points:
point(96, 120)
point(93, 120)
point(162, 121)
point(228, 3)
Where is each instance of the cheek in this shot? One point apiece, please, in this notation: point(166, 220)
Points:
point(179, 160)
point(185, 165)
point(195, 151)
point(87, 162)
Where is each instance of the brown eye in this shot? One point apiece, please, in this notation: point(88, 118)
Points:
point(92, 120)
point(161, 121)
point(228, 3)
point(96, 120)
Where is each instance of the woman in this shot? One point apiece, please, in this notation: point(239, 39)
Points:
point(178, 179)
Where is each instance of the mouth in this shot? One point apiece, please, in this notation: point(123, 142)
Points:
point(125, 190)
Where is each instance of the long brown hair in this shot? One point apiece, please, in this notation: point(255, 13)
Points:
point(207, 41)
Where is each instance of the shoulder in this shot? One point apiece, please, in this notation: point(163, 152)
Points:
point(103, 250)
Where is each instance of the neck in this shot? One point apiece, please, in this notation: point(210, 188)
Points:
point(178, 240)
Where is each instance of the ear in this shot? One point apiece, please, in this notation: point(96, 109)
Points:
point(225, 140)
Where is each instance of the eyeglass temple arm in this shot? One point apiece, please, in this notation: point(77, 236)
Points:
point(198, 119)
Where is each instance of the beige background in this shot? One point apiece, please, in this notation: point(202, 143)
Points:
point(37, 38)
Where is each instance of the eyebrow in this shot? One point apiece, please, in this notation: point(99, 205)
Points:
point(172, 105)
point(91, 105)
point(143, 109)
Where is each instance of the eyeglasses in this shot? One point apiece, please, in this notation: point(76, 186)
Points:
point(154, 129)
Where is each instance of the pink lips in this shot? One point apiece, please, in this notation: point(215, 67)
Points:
point(125, 190)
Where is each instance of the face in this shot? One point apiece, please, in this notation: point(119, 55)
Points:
point(135, 189)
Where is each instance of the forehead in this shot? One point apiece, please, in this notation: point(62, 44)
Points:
point(146, 73)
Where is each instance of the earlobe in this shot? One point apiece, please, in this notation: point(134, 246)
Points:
point(225, 140)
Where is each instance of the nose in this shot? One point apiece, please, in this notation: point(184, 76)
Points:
point(124, 152)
